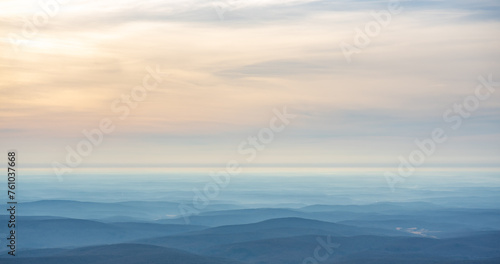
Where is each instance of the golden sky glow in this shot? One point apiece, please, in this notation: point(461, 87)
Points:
point(223, 78)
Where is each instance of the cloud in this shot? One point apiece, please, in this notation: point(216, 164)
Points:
point(225, 77)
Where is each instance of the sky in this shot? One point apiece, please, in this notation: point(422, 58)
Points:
point(228, 66)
